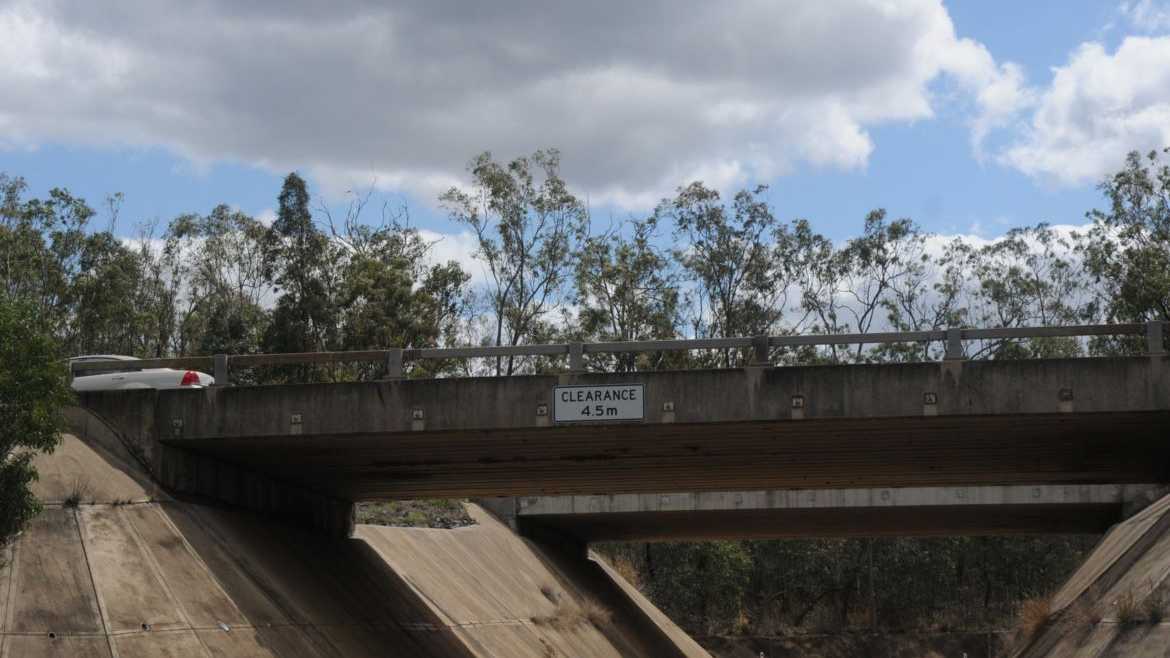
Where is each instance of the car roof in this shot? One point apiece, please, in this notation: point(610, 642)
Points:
point(104, 357)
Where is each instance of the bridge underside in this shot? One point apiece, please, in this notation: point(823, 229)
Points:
point(784, 524)
point(918, 511)
point(820, 453)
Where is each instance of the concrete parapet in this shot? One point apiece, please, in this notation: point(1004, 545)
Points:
point(961, 388)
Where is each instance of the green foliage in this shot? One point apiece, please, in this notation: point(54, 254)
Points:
point(302, 260)
point(92, 292)
point(700, 585)
point(219, 259)
point(33, 390)
point(386, 305)
point(824, 585)
point(1128, 252)
point(726, 253)
point(528, 228)
point(626, 290)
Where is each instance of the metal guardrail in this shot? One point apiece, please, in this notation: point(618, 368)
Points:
point(394, 359)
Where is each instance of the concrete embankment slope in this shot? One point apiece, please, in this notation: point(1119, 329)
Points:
point(115, 567)
point(1117, 604)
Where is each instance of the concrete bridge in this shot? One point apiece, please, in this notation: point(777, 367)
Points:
point(1077, 431)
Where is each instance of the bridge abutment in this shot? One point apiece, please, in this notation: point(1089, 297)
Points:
point(130, 417)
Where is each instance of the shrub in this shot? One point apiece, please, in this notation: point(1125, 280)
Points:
point(33, 391)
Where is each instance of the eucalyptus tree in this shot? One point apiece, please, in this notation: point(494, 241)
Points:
point(218, 262)
point(41, 242)
point(528, 228)
point(626, 289)
point(1029, 277)
point(302, 263)
point(388, 301)
point(115, 301)
point(90, 289)
point(391, 293)
point(1128, 250)
point(885, 260)
point(727, 254)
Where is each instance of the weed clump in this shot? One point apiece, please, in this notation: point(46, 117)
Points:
point(569, 615)
point(77, 492)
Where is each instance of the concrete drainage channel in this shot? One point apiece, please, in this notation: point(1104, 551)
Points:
point(167, 577)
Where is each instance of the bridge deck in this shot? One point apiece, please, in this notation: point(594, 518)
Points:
point(1055, 448)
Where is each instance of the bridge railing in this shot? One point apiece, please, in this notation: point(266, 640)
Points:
point(395, 359)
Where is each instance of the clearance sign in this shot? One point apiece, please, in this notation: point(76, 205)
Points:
point(588, 403)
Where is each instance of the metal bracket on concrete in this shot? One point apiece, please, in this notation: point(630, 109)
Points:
point(930, 403)
point(797, 407)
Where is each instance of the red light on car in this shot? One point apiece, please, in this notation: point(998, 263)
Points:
point(190, 378)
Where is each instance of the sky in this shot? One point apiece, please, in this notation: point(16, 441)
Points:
point(971, 118)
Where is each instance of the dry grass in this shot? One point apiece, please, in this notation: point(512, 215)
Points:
point(1129, 612)
point(595, 613)
point(626, 569)
point(569, 615)
point(1033, 614)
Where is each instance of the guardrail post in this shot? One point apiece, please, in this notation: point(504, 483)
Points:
point(954, 344)
point(760, 353)
point(1154, 339)
point(220, 370)
point(576, 357)
point(394, 368)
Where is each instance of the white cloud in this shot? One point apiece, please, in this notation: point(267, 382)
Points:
point(1146, 16)
point(1099, 106)
point(266, 216)
point(640, 96)
point(459, 247)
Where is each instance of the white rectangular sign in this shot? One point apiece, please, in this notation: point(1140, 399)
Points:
point(589, 403)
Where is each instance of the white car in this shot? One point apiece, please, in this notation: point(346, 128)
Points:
point(132, 378)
